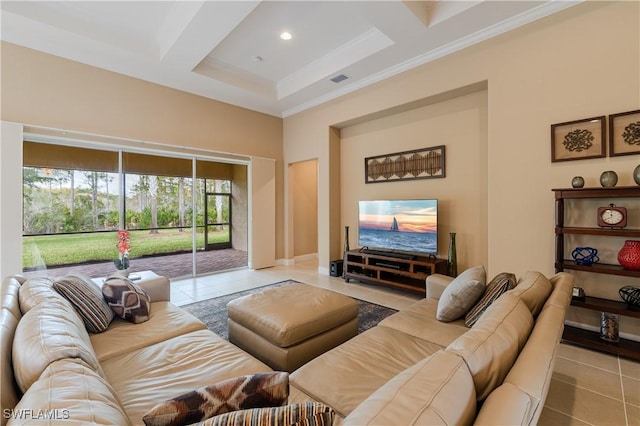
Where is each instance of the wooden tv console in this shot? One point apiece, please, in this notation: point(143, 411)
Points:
point(403, 273)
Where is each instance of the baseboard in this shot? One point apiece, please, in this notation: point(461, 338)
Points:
point(305, 257)
point(589, 327)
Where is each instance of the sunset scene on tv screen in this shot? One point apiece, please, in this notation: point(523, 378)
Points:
point(409, 215)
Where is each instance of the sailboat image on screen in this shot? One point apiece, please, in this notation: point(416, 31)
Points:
point(402, 226)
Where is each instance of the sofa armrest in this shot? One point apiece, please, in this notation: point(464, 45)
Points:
point(436, 283)
point(158, 288)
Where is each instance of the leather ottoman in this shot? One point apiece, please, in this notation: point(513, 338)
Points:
point(285, 327)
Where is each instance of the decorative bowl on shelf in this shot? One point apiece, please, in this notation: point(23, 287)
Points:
point(585, 256)
point(631, 295)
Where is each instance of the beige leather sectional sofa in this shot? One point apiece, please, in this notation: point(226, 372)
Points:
point(410, 369)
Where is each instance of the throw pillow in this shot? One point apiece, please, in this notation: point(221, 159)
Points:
point(251, 391)
point(288, 415)
point(461, 294)
point(86, 298)
point(498, 286)
point(127, 300)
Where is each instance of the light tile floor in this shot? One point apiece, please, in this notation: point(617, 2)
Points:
point(587, 388)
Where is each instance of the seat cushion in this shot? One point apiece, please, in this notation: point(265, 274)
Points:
point(419, 320)
point(148, 376)
point(491, 346)
point(461, 294)
point(290, 314)
point(87, 300)
point(346, 375)
point(123, 336)
point(437, 390)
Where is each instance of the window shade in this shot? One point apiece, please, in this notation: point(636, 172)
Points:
point(69, 157)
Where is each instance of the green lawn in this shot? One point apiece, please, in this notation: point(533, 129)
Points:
point(78, 248)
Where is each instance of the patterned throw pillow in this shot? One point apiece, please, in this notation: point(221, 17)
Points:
point(251, 391)
point(127, 300)
point(87, 300)
point(308, 413)
point(498, 286)
point(461, 294)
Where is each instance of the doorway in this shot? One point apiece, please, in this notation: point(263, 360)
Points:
point(304, 181)
point(217, 232)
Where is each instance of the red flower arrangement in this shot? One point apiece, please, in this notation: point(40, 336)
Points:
point(122, 262)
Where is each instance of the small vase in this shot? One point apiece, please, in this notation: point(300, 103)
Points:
point(629, 255)
point(609, 327)
point(636, 174)
point(453, 261)
point(346, 239)
point(608, 179)
point(123, 272)
point(577, 182)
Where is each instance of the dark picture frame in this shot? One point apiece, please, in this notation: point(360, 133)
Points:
point(425, 163)
point(624, 133)
point(578, 139)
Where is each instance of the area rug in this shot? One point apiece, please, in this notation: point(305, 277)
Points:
point(213, 312)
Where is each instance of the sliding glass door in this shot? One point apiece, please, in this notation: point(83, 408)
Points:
point(76, 199)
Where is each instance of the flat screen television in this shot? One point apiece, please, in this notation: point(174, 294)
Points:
point(404, 226)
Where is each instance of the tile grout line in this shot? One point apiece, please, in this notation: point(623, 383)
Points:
point(568, 415)
point(591, 365)
point(590, 390)
point(624, 401)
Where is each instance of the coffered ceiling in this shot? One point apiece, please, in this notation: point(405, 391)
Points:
point(232, 51)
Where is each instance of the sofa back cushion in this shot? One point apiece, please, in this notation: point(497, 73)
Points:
point(9, 317)
point(37, 290)
point(534, 289)
point(46, 333)
point(10, 291)
point(492, 345)
point(437, 390)
point(73, 393)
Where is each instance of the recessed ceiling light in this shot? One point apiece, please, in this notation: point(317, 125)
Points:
point(286, 36)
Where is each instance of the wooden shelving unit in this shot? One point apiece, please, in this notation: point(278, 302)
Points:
point(586, 338)
point(406, 274)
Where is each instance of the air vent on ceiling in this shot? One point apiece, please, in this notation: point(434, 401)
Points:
point(339, 78)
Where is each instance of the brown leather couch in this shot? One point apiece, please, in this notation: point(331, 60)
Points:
point(410, 369)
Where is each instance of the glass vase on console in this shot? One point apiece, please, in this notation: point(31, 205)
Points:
point(453, 260)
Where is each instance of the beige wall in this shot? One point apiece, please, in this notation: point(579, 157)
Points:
point(579, 63)
point(44, 90)
point(460, 125)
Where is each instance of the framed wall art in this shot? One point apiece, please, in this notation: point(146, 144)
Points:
point(624, 133)
point(426, 163)
point(578, 140)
